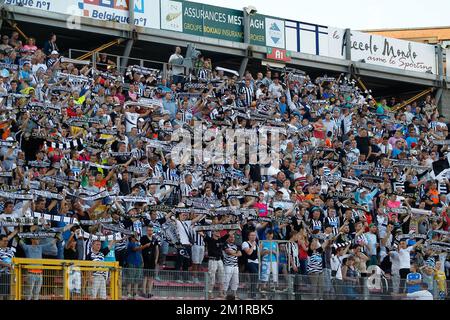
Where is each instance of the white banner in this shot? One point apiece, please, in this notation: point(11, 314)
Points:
point(382, 51)
point(336, 47)
point(146, 12)
point(275, 36)
point(394, 53)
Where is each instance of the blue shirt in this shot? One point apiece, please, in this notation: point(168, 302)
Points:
point(283, 108)
point(380, 110)
point(170, 106)
point(412, 276)
point(267, 245)
point(396, 152)
point(111, 256)
point(35, 252)
point(410, 140)
point(134, 257)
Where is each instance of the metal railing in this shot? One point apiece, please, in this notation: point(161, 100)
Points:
point(185, 285)
point(74, 53)
point(51, 279)
point(48, 279)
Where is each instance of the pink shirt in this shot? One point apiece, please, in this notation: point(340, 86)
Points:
point(262, 209)
point(393, 204)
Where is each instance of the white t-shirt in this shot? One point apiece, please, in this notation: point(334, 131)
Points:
point(184, 227)
point(421, 295)
point(176, 70)
point(246, 245)
point(385, 148)
point(371, 242)
point(286, 193)
point(276, 90)
point(36, 67)
point(131, 119)
point(383, 252)
point(405, 258)
point(329, 125)
point(259, 93)
point(395, 263)
point(336, 264)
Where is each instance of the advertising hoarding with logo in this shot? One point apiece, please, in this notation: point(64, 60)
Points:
point(275, 33)
point(213, 22)
point(146, 12)
point(382, 51)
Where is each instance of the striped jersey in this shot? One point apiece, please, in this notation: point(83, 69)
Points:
point(442, 188)
point(198, 239)
point(333, 223)
point(248, 91)
point(186, 190)
point(171, 174)
point(315, 262)
point(316, 225)
point(292, 248)
point(6, 256)
point(99, 256)
point(228, 260)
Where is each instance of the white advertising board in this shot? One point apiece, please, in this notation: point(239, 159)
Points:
point(146, 12)
point(382, 51)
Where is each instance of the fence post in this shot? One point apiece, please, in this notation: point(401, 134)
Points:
point(113, 284)
point(206, 285)
point(291, 285)
point(19, 282)
point(66, 291)
point(13, 283)
point(118, 282)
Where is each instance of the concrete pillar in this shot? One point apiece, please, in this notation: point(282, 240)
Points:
point(131, 13)
point(348, 50)
point(444, 104)
point(244, 61)
point(126, 55)
point(440, 72)
point(130, 42)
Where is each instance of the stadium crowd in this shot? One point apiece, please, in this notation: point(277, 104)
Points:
point(360, 191)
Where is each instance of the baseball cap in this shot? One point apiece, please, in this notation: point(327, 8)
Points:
point(55, 52)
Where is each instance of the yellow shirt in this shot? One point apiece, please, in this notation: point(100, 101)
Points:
point(80, 100)
point(74, 130)
point(440, 278)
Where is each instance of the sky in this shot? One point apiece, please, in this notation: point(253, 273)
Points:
point(354, 14)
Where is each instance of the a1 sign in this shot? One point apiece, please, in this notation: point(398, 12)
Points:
point(278, 54)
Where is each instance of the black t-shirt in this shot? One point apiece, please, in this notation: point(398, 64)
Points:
point(375, 148)
point(363, 144)
point(149, 254)
point(70, 254)
point(215, 246)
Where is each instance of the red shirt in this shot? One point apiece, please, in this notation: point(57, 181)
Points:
point(71, 112)
point(302, 254)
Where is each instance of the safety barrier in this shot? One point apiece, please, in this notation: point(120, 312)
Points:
point(74, 53)
point(185, 285)
point(51, 279)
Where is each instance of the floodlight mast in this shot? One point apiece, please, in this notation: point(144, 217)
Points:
point(247, 12)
